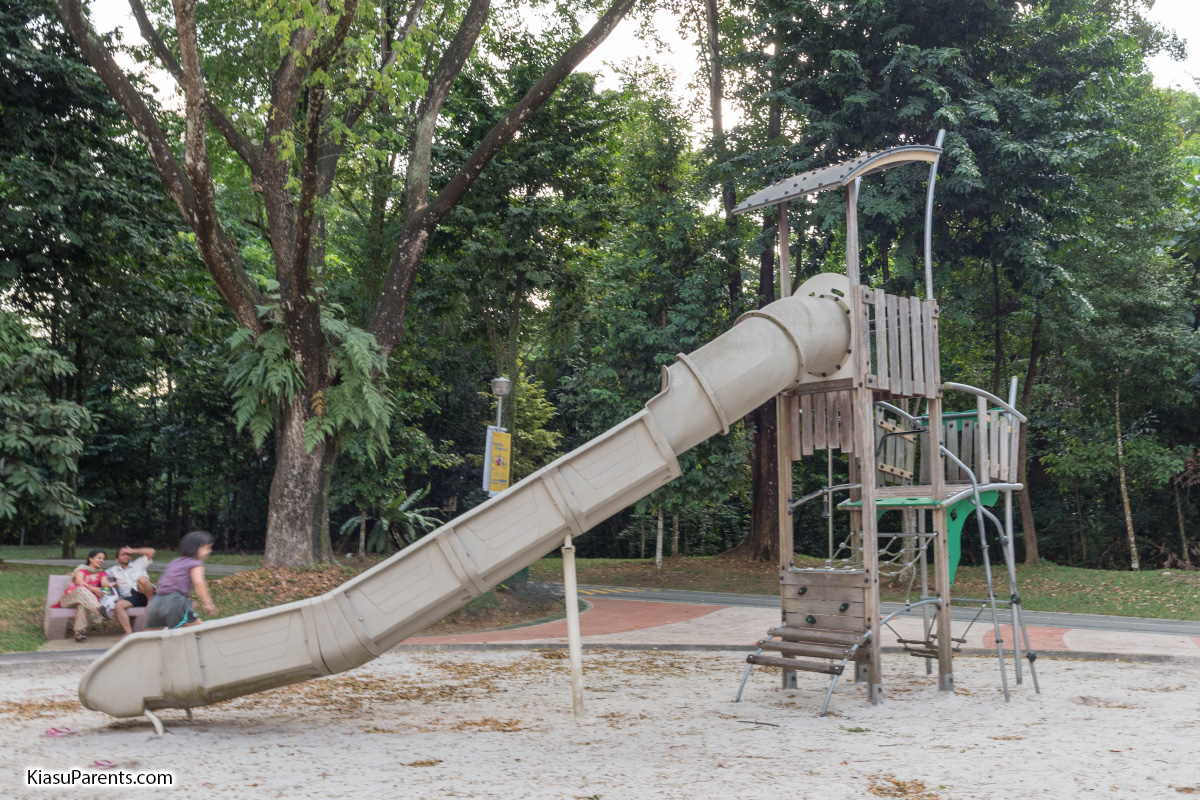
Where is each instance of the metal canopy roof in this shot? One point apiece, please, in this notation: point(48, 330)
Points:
point(837, 175)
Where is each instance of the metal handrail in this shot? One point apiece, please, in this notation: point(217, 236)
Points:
point(897, 411)
point(962, 387)
point(821, 491)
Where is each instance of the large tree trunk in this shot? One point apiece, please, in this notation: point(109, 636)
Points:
point(298, 515)
point(762, 544)
point(1028, 528)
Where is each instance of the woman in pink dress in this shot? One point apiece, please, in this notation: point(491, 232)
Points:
point(88, 583)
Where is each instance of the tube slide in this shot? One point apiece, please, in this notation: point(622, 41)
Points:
point(766, 352)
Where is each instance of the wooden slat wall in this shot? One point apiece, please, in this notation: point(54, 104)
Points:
point(1014, 448)
point(826, 420)
point(792, 415)
point(806, 425)
point(917, 343)
point(820, 422)
point(845, 401)
point(882, 369)
point(892, 306)
point(968, 448)
point(926, 457)
point(929, 332)
point(904, 352)
point(954, 446)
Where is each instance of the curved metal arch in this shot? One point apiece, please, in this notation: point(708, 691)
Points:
point(838, 175)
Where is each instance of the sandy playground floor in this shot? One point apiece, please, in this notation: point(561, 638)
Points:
point(660, 725)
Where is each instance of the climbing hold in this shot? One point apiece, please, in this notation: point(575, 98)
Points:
point(810, 619)
point(843, 606)
point(802, 590)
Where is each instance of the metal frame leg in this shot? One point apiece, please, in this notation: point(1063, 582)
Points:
point(155, 721)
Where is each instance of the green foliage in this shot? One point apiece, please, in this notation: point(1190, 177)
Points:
point(42, 438)
point(263, 374)
point(397, 521)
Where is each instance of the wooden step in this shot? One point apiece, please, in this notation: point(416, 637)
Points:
point(811, 650)
point(795, 664)
point(846, 638)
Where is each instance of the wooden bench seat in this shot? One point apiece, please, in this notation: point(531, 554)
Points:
point(54, 625)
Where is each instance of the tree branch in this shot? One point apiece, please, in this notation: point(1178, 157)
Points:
point(240, 143)
point(416, 185)
point(503, 131)
point(220, 256)
point(387, 323)
point(121, 88)
point(285, 92)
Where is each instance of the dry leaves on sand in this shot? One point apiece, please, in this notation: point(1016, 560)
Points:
point(31, 709)
point(891, 786)
point(1099, 702)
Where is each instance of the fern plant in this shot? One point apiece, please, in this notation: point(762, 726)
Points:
point(263, 373)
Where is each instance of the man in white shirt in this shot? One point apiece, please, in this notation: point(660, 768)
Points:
point(134, 588)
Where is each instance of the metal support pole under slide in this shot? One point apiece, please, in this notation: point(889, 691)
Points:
point(574, 642)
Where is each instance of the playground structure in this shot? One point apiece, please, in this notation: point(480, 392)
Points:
point(934, 470)
point(833, 353)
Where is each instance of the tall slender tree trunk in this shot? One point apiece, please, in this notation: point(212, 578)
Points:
point(658, 544)
point(1134, 564)
point(997, 335)
point(362, 533)
point(675, 535)
point(716, 94)
point(1187, 556)
point(1028, 527)
point(1079, 526)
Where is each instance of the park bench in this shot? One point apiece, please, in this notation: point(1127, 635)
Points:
point(55, 623)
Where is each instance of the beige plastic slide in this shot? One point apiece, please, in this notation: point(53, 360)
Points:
point(766, 352)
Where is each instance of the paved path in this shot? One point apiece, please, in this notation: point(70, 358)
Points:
point(620, 616)
point(1052, 619)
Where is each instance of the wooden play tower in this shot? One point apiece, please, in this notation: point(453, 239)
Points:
point(933, 468)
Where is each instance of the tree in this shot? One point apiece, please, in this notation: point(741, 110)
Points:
point(316, 71)
point(42, 438)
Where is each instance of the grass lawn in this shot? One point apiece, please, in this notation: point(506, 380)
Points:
point(23, 597)
point(110, 552)
point(1046, 587)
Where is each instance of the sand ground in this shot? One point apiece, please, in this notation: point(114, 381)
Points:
point(660, 725)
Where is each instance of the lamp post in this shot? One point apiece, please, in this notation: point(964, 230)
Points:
point(498, 450)
point(500, 387)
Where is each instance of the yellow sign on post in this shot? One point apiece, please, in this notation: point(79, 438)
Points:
point(498, 460)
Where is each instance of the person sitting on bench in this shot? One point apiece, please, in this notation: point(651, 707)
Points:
point(134, 588)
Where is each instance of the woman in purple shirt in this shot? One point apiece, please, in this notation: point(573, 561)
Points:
point(171, 607)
